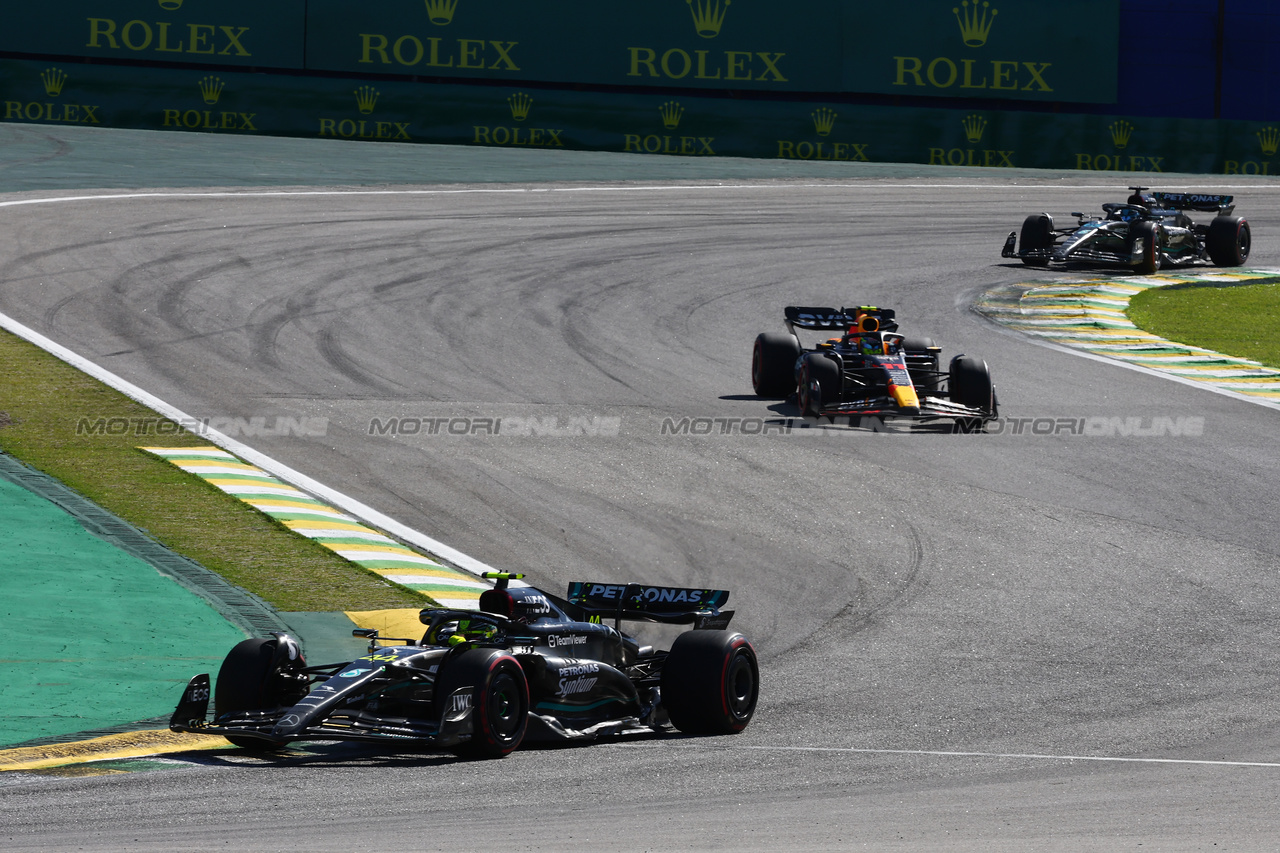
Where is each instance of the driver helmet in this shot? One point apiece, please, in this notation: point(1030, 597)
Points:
point(867, 331)
point(1128, 214)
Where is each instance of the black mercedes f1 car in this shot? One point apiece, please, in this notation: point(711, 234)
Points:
point(527, 666)
point(1145, 233)
point(869, 370)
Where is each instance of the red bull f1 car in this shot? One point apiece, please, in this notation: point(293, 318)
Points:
point(1149, 231)
point(526, 666)
point(869, 370)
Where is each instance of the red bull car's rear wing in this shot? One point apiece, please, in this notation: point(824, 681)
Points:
point(836, 319)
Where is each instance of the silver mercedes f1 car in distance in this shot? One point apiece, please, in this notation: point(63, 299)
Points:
point(1146, 233)
point(526, 666)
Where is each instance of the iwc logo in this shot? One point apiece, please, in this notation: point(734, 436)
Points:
point(521, 106)
point(671, 114)
point(975, 128)
point(825, 148)
point(53, 80)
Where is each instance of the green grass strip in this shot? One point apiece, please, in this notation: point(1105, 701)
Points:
point(1242, 320)
point(46, 414)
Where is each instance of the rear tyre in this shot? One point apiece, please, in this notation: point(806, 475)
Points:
point(1149, 235)
point(920, 345)
point(251, 679)
point(1037, 234)
point(970, 383)
point(820, 384)
point(710, 682)
point(499, 700)
point(1229, 241)
point(924, 381)
point(773, 364)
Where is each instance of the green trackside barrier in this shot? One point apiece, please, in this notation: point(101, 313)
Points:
point(688, 125)
point(245, 33)
point(1009, 49)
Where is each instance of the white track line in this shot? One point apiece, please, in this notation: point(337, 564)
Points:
point(1026, 756)
point(944, 753)
point(838, 184)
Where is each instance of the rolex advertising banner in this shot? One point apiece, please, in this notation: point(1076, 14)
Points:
point(205, 32)
point(983, 49)
point(402, 111)
point(1015, 49)
point(991, 49)
point(707, 44)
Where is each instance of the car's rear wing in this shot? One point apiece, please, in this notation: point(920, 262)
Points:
point(835, 319)
point(1205, 202)
point(636, 602)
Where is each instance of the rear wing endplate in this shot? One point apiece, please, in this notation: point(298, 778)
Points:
point(645, 603)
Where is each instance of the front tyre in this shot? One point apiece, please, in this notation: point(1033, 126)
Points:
point(773, 364)
point(711, 682)
point(819, 385)
point(970, 383)
point(259, 675)
point(1037, 237)
point(499, 695)
point(1229, 241)
point(1144, 240)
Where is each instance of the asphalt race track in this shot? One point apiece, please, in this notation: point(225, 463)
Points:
point(968, 642)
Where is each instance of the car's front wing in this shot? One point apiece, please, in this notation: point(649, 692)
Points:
point(280, 725)
point(931, 408)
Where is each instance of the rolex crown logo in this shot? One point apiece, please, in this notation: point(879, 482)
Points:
point(520, 104)
point(171, 5)
point(53, 79)
point(974, 126)
point(708, 16)
point(1269, 137)
point(975, 23)
point(823, 120)
point(211, 89)
point(366, 99)
point(672, 112)
point(1120, 133)
point(441, 11)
